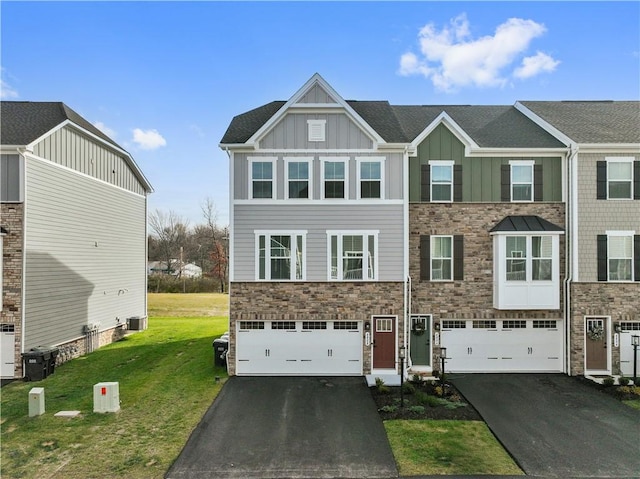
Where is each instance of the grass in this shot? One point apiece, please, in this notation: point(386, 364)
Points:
point(429, 447)
point(166, 377)
point(190, 305)
point(634, 403)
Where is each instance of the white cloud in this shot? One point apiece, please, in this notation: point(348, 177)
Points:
point(148, 139)
point(105, 129)
point(452, 59)
point(7, 92)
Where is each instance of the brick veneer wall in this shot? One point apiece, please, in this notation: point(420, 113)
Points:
point(12, 219)
point(620, 301)
point(339, 301)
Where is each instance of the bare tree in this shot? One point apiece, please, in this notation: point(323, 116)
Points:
point(171, 231)
point(218, 253)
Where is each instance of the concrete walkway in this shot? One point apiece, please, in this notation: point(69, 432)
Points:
point(555, 426)
point(288, 428)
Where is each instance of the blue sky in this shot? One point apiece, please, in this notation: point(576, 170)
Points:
point(164, 79)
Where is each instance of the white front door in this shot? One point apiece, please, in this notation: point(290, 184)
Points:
point(628, 329)
point(7, 346)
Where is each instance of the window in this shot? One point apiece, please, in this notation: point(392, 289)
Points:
point(11, 177)
point(620, 257)
point(544, 324)
point(345, 325)
point(484, 324)
point(514, 324)
point(384, 325)
point(314, 325)
point(619, 180)
point(441, 258)
point(316, 130)
point(283, 325)
point(441, 181)
point(251, 324)
point(261, 179)
point(542, 258)
point(334, 177)
point(298, 178)
point(453, 324)
point(370, 175)
point(541, 248)
point(280, 256)
point(521, 181)
point(516, 258)
point(352, 256)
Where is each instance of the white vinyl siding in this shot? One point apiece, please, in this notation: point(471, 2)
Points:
point(85, 254)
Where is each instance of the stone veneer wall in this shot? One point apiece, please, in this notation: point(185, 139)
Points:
point(341, 301)
point(471, 298)
point(12, 219)
point(620, 301)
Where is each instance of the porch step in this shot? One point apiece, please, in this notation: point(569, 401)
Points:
point(389, 379)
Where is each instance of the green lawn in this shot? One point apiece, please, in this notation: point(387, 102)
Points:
point(430, 447)
point(166, 377)
point(195, 304)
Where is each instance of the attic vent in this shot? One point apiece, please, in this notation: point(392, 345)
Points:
point(316, 130)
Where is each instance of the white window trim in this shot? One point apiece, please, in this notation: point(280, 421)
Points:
point(363, 233)
point(312, 127)
point(620, 159)
point(625, 234)
point(433, 163)
point(431, 258)
point(309, 161)
point(530, 163)
point(274, 175)
point(370, 159)
point(267, 266)
point(335, 159)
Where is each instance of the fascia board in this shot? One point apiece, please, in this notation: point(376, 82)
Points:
point(544, 124)
point(610, 147)
point(526, 152)
point(458, 132)
point(237, 146)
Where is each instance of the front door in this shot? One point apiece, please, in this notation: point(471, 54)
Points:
point(420, 340)
point(596, 344)
point(384, 342)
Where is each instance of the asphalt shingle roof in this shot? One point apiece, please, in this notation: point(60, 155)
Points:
point(22, 122)
point(524, 224)
point(592, 121)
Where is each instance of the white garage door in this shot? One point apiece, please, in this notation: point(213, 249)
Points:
point(626, 349)
point(503, 345)
point(299, 348)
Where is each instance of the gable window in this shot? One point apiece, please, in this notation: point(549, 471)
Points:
point(316, 130)
point(441, 181)
point(261, 179)
point(352, 255)
point(280, 256)
point(370, 184)
point(334, 178)
point(521, 181)
point(618, 178)
point(442, 257)
point(298, 178)
point(619, 256)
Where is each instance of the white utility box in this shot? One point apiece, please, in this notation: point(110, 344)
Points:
point(36, 402)
point(106, 397)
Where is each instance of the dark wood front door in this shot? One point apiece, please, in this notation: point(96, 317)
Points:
point(596, 344)
point(384, 342)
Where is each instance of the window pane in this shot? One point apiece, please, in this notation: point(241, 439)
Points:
point(620, 246)
point(299, 170)
point(619, 171)
point(441, 269)
point(516, 247)
point(620, 189)
point(441, 193)
point(521, 193)
point(541, 247)
point(516, 268)
point(262, 170)
point(620, 270)
point(334, 189)
point(261, 255)
point(372, 255)
point(299, 257)
point(280, 268)
point(521, 174)
point(281, 246)
point(370, 189)
point(334, 257)
point(441, 174)
point(541, 270)
point(352, 256)
point(370, 170)
point(334, 171)
point(440, 247)
point(298, 189)
point(262, 189)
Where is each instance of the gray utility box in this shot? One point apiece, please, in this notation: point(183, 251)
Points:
point(137, 323)
point(39, 362)
point(220, 348)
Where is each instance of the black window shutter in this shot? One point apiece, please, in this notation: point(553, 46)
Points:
point(425, 258)
point(458, 257)
point(601, 178)
point(457, 183)
point(425, 183)
point(636, 256)
point(537, 182)
point(636, 180)
point(505, 183)
point(602, 258)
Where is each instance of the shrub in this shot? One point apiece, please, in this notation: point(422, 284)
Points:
point(389, 408)
point(162, 283)
point(417, 409)
point(439, 390)
point(431, 400)
point(608, 382)
point(622, 381)
point(408, 388)
point(382, 387)
point(416, 378)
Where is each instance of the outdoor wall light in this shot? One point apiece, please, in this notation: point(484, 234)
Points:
point(367, 325)
point(617, 328)
point(437, 326)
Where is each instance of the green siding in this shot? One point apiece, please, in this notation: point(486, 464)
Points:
point(480, 175)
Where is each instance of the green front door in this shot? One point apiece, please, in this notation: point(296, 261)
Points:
point(420, 340)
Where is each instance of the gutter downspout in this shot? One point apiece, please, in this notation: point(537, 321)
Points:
point(407, 282)
point(570, 203)
point(23, 316)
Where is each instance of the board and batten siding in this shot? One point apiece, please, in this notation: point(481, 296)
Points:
point(85, 254)
point(68, 147)
point(392, 174)
point(316, 220)
point(291, 132)
point(595, 216)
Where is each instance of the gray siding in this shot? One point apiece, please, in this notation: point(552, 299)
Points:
point(10, 183)
point(70, 148)
point(317, 94)
point(291, 132)
point(597, 216)
point(317, 219)
point(393, 173)
point(85, 254)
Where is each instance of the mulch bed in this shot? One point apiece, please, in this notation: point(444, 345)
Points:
point(387, 400)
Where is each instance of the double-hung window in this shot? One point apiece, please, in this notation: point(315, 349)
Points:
point(370, 178)
point(280, 255)
point(618, 253)
point(521, 180)
point(298, 171)
point(441, 258)
point(262, 173)
point(516, 258)
point(334, 178)
point(620, 179)
point(441, 181)
point(353, 255)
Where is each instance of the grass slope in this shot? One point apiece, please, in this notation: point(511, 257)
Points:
point(194, 304)
point(433, 447)
point(166, 377)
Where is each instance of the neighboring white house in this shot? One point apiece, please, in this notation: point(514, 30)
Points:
point(188, 270)
point(74, 233)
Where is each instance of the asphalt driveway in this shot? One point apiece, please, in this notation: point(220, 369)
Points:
point(283, 427)
point(555, 426)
